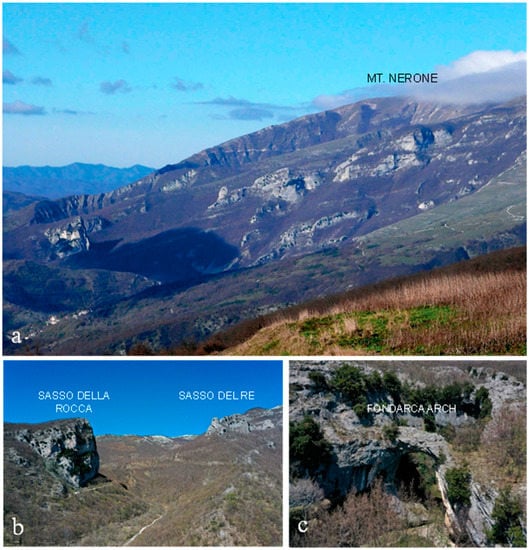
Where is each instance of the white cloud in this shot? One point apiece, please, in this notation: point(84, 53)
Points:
point(481, 76)
point(331, 101)
point(21, 108)
point(111, 88)
point(481, 61)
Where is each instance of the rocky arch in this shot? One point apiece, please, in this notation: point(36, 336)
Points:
point(357, 463)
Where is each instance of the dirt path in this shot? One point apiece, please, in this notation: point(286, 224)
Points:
point(143, 529)
point(515, 217)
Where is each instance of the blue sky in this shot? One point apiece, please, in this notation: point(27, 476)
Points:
point(154, 83)
point(145, 396)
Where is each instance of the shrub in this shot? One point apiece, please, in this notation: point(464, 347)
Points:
point(391, 431)
point(374, 382)
point(483, 404)
point(467, 437)
point(319, 380)
point(367, 519)
point(305, 492)
point(307, 445)
point(504, 437)
point(458, 486)
point(349, 380)
point(507, 520)
point(429, 422)
point(392, 385)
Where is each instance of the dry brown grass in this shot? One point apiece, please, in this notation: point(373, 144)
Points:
point(482, 310)
point(485, 313)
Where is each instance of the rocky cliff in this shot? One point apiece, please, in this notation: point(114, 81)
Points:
point(387, 186)
point(254, 420)
point(363, 448)
point(308, 183)
point(67, 446)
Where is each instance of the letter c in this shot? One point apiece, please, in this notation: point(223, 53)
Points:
point(302, 526)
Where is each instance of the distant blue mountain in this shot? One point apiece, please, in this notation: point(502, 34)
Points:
point(74, 179)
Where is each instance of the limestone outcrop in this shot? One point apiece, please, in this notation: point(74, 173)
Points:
point(252, 421)
point(68, 446)
point(363, 449)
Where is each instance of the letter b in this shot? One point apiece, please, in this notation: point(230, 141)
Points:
point(18, 528)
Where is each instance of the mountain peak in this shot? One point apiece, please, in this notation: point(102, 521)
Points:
point(253, 420)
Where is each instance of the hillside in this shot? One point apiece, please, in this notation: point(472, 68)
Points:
point(471, 307)
point(407, 453)
point(223, 488)
point(325, 203)
point(77, 178)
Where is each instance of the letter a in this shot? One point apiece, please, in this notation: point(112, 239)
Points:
point(15, 338)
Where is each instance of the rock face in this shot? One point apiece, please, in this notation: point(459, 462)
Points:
point(362, 452)
point(360, 460)
point(68, 240)
point(311, 182)
point(68, 446)
point(254, 420)
point(331, 182)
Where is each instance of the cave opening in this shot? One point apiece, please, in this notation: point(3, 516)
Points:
point(415, 477)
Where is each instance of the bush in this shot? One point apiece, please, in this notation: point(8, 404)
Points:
point(483, 404)
point(305, 492)
point(429, 422)
point(319, 380)
point(507, 520)
point(307, 446)
point(374, 382)
point(350, 381)
point(361, 408)
point(366, 519)
point(391, 431)
point(505, 440)
point(467, 437)
point(458, 486)
point(392, 385)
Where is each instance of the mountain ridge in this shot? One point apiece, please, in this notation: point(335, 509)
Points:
point(70, 179)
point(362, 172)
point(218, 489)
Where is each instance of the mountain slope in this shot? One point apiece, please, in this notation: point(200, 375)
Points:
point(296, 187)
point(366, 192)
point(471, 307)
point(59, 181)
point(12, 200)
point(223, 488)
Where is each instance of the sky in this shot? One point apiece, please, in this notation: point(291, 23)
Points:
point(123, 84)
point(147, 397)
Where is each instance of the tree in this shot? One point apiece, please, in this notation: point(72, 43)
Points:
point(307, 446)
point(429, 422)
point(319, 380)
point(366, 519)
point(507, 521)
point(374, 382)
point(504, 437)
point(350, 381)
point(305, 492)
point(458, 486)
point(392, 385)
point(483, 404)
point(391, 431)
